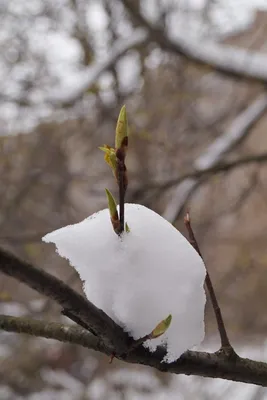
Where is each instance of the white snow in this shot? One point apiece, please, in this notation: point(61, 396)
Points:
point(140, 278)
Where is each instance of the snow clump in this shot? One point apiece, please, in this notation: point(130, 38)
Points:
point(140, 278)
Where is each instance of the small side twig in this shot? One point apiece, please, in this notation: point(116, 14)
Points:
point(79, 321)
point(137, 343)
point(225, 343)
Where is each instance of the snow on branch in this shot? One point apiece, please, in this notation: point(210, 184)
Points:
point(141, 277)
point(229, 60)
point(136, 266)
point(148, 281)
point(238, 129)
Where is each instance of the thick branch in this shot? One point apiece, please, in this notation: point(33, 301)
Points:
point(229, 60)
point(98, 322)
point(190, 363)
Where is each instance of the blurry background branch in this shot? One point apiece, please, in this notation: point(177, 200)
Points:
point(228, 60)
point(207, 172)
point(238, 130)
point(89, 76)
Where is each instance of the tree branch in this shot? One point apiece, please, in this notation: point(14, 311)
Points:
point(204, 364)
point(228, 60)
point(112, 335)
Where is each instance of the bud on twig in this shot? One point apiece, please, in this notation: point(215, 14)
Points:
point(113, 212)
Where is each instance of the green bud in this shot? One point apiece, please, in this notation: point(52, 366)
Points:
point(112, 206)
point(161, 327)
point(122, 129)
point(110, 157)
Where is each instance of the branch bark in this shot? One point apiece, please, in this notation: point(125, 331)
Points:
point(215, 365)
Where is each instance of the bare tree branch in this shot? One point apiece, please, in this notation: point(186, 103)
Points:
point(204, 364)
point(229, 60)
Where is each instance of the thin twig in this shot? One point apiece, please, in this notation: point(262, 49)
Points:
point(225, 343)
point(122, 180)
point(79, 321)
point(121, 194)
point(136, 343)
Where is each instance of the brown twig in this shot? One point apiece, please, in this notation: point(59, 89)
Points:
point(225, 343)
point(120, 165)
point(136, 343)
point(77, 319)
point(122, 179)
